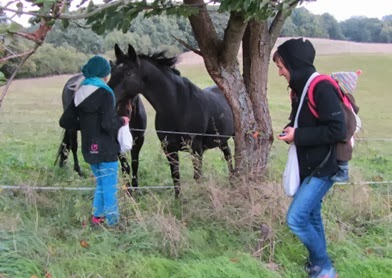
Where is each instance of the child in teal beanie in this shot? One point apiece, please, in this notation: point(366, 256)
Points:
point(97, 66)
point(93, 112)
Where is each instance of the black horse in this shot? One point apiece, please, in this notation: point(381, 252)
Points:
point(187, 117)
point(137, 124)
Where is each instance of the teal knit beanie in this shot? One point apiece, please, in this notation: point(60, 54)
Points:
point(97, 66)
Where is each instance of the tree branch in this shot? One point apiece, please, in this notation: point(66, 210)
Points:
point(187, 46)
point(205, 34)
point(38, 37)
point(28, 36)
point(233, 37)
point(4, 59)
point(277, 23)
point(70, 16)
point(9, 81)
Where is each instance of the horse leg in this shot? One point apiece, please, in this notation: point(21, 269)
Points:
point(125, 169)
point(227, 153)
point(172, 157)
point(73, 138)
point(197, 160)
point(64, 148)
point(135, 159)
point(197, 165)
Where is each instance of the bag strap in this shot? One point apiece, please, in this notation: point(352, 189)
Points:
point(321, 165)
point(315, 81)
point(304, 92)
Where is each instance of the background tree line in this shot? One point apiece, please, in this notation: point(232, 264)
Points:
point(66, 49)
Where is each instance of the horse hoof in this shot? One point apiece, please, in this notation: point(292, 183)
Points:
point(80, 173)
point(131, 190)
point(135, 183)
point(176, 192)
point(62, 163)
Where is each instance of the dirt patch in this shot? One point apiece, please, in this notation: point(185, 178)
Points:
point(323, 47)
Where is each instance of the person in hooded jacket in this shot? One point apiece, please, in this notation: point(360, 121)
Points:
point(315, 140)
point(92, 111)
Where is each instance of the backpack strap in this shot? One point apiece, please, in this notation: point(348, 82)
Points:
point(315, 81)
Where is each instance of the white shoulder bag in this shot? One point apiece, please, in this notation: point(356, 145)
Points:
point(124, 138)
point(291, 179)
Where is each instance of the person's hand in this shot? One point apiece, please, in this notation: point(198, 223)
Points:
point(287, 134)
point(126, 120)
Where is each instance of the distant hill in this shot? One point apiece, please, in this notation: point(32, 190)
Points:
point(323, 47)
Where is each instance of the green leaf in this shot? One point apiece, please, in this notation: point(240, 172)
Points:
point(98, 28)
point(65, 23)
point(3, 80)
point(3, 28)
point(90, 6)
point(14, 27)
point(125, 25)
point(19, 5)
point(7, 39)
point(47, 7)
point(44, 2)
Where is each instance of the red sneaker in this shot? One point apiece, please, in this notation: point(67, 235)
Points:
point(97, 220)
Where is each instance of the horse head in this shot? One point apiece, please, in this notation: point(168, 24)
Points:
point(125, 77)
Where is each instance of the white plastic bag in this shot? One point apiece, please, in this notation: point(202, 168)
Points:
point(291, 180)
point(124, 138)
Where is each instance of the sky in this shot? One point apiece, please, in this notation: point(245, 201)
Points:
point(339, 9)
point(344, 9)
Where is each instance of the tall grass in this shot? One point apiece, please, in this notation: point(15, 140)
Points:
point(217, 228)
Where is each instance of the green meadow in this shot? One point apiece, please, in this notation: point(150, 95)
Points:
point(213, 230)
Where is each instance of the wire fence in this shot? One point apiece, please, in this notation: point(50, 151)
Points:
point(58, 188)
point(156, 187)
point(192, 134)
point(160, 187)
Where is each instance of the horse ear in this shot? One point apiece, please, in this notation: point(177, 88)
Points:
point(132, 53)
point(118, 51)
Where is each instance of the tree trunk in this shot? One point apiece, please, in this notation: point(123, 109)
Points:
point(256, 49)
point(247, 137)
point(247, 94)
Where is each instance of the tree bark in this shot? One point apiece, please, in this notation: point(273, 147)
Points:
point(256, 51)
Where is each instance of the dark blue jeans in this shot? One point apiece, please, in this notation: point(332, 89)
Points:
point(105, 198)
point(304, 219)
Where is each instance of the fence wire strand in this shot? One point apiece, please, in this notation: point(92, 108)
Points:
point(155, 187)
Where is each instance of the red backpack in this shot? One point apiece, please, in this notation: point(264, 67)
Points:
point(311, 103)
point(349, 106)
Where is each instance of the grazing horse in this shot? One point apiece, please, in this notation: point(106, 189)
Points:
point(187, 117)
point(137, 124)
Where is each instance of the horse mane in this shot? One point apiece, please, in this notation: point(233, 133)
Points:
point(160, 59)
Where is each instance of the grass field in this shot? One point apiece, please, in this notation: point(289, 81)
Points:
point(212, 231)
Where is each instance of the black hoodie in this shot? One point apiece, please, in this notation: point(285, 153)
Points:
point(314, 138)
point(93, 112)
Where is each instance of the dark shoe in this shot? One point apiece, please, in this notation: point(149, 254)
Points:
point(341, 176)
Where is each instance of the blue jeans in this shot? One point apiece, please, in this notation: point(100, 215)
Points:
point(304, 219)
point(105, 197)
